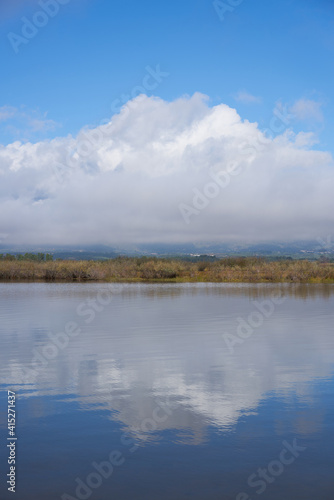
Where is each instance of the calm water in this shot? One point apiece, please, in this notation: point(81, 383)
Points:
point(169, 392)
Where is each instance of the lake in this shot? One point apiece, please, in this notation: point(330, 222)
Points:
point(168, 391)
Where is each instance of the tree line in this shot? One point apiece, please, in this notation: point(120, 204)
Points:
point(35, 257)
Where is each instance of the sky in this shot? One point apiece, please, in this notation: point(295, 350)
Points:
point(126, 121)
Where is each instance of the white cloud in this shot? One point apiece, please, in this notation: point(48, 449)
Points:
point(123, 182)
point(246, 97)
point(307, 110)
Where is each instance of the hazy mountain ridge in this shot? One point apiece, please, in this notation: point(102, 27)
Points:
point(304, 249)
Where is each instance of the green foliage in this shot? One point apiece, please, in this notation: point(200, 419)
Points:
point(34, 257)
point(9, 257)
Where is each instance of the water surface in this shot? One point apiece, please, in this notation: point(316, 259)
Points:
point(190, 388)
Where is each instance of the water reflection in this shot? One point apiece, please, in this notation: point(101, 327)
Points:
point(155, 346)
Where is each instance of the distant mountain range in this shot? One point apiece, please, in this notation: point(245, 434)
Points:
point(300, 249)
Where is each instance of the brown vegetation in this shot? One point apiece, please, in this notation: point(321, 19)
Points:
point(150, 269)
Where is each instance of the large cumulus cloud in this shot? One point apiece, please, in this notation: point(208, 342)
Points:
point(150, 175)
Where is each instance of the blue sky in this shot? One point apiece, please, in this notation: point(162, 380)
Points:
point(93, 51)
point(256, 57)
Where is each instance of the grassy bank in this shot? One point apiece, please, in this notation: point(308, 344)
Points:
point(147, 269)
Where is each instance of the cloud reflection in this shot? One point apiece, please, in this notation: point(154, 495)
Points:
point(164, 343)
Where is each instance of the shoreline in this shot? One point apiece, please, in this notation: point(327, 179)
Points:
point(159, 270)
